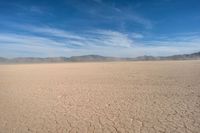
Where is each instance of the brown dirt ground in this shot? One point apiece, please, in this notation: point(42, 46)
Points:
point(118, 97)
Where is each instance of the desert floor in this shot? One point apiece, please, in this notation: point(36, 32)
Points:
point(146, 97)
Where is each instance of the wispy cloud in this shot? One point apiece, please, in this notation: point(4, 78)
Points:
point(94, 38)
point(26, 10)
point(137, 35)
point(109, 12)
point(55, 32)
point(141, 20)
point(17, 45)
point(172, 44)
point(111, 38)
point(47, 41)
point(51, 40)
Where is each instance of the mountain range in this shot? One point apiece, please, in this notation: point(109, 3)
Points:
point(90, 58)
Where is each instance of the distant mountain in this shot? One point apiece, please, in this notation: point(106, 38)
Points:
point(183, 57)
point(33, 60)
point(92, 58)
point(147, 58)
point(3, 59)
point(88, 58)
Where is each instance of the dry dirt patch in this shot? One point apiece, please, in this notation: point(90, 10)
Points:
point(118, 97)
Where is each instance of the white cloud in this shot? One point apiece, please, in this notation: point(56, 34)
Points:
point(137, 35)
point(141, 20)
point(28, 40)
point(112, 38)
point(89, 38)
point(55, 32)
point(12, 44)
point(111, 13)
point(56, 42)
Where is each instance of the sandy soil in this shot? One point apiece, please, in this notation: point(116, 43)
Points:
point(118, 97)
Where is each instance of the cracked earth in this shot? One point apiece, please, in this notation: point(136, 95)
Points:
point(112, 97)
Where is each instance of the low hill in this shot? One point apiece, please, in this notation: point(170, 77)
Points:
point(183, 57)
point(88, 58)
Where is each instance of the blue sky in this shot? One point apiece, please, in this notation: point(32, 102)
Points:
point(122, 28)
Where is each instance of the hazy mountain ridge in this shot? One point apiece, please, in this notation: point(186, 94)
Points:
point(185, 56)
point(87, 58)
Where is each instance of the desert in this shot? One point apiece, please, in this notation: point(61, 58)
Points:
point(100, 97)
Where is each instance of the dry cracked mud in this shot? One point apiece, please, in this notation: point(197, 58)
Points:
point(111, 97)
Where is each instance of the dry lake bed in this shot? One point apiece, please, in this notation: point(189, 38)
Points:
point(102, 97)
